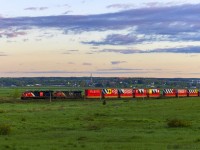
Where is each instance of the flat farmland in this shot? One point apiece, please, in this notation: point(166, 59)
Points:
point(88, 124)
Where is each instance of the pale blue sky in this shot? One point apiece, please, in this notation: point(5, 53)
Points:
point(146, 38)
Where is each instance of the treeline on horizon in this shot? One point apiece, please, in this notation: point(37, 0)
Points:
point(101, 82)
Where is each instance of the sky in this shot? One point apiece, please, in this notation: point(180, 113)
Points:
point(105, 38)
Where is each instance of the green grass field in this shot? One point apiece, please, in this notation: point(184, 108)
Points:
point(120, 124)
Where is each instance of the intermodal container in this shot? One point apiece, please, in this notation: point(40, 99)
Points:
point(125, 93)
point(140, 93)
point(192, 92)
point(154, 93)
point(169, 92)
point(181, 92)
point(110, 93)
point(93, 93)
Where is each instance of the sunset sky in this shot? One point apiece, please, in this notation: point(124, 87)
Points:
point(108, 38)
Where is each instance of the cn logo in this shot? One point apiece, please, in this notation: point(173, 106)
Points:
point(109, 91)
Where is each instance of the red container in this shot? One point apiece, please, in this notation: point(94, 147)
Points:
point(169, 92)
point(153, 93)
point(140, 93)
point(110, 93)
point(192, 92)
point(93, 93)
point(125, 93)
point(181, 93)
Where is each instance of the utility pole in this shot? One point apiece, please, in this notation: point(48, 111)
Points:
point(50, 96)
point(91, 80)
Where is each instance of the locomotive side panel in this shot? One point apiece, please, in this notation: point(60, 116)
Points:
point(59, 95)
point(36, 94)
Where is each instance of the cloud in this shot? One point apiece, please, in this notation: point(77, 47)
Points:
point(117, 39)
point(119, 69)
point(25, 40)
point(30, 8)
point(67, 12)
point(192, 49)
point(109, 71)
point(189, 49)
point(66, 5)
point(71, 63)
point(36, 8)
point(126, 71)
point(153, 4)
point(70, 51)
point(103, 71)
point(147, 24)
point(3, 54)
point(12, 33)
point(121, 6)
point(86, 64)
point(122, 51)
point(117, 62)
point(73, 50)
point(171, 17)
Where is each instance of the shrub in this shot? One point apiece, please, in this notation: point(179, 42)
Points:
point(5, 129)
point(23, 119)
point(175, 123)
point(93, 127)
point(16, 94)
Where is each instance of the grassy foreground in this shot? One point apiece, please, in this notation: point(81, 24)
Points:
point(133, 124)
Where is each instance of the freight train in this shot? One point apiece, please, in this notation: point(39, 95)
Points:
point(111, 93)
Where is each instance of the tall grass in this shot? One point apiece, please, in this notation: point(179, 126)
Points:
point(5, 129)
